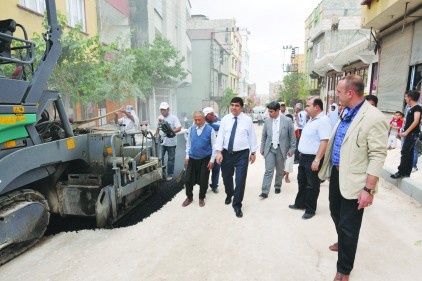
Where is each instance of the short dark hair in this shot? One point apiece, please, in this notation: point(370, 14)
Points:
point(273, 105)
point(318, 102)
point(414, 95)
point(237, 100)
point(372, 98)
point(399, 112)
point(290, 116)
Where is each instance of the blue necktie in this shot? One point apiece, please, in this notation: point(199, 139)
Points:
point(231, 140)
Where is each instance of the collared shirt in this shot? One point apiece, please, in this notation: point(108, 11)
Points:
point(346, 120)
point(199, 132)
point(301, 116)
point(276, 132)
point(245, 134)
point(316, 130)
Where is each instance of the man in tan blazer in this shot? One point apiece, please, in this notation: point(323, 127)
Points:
point(353, 162)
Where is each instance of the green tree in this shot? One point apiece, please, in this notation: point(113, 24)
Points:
point(119, 83)
point(88, 71)
point(225, 101)
point(294, 88)
point(81, 66)
point(158, 64)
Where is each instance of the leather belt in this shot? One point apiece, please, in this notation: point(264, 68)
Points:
point(337, 167)
point(235, 152)
point(307, 155)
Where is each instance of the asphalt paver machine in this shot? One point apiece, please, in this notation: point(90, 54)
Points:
point(49, 167)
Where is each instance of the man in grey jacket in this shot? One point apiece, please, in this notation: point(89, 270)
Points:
point(278, 141)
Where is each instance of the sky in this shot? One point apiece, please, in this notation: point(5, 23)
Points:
point(272, 24)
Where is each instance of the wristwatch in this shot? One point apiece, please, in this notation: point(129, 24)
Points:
point(369, 190)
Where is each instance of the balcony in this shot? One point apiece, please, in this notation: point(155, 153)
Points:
point(384, 15)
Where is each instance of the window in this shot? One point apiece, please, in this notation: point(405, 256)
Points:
point(34, 5)
point(76, 13)
point(318, 50)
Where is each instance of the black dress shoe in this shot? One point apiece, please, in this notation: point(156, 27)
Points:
point(396, 176)
point(263, 195)
point(228, 200)
point(307, 216)
point(239, 213)
point(277, 190)
point(294, 207)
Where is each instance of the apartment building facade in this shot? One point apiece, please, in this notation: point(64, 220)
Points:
point(216, 61)
point(335, 45)
point(168, 19)
point(397, 27)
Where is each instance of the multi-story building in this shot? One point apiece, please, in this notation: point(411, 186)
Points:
point(274, 90)
point(168, 19)
point(335, 46)
point(244, 66)
point(397, 27)
point(216, 53)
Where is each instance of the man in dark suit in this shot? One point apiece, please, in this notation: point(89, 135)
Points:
point(278, 141)
point(236, 147)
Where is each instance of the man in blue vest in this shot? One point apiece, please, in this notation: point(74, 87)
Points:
point(214, 121)
point(200, 157)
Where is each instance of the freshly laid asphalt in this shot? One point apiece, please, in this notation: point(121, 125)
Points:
point(270, 242)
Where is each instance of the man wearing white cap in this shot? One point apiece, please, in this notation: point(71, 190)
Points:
point(169, 144)
point(283, 108)
point(129, 121)
point(214, 122)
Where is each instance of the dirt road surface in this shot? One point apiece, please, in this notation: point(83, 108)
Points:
point(270, 242)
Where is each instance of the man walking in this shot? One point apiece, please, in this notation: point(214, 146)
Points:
point(312, 146)
point(200, 156)
point(353, 162)
point(278, 142)
point(236, 146)
point(214, 122)
point(169, 144)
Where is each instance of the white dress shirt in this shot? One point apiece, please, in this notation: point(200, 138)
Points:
point(276, 132)
point(245, 134)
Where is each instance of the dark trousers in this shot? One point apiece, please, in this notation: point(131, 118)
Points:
point(297, 145)
point(215, 175)
point(348, 220)
point(197, 173)
point(171, 151)
point(407, 154)
point(308, 183)
point(235, 164)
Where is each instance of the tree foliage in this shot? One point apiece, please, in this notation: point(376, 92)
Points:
point(80, 67)
point(294, 88)
point(88, 71)
point(157, 65)
point(229, 94)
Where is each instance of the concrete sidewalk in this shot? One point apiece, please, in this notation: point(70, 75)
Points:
point(411, 186)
